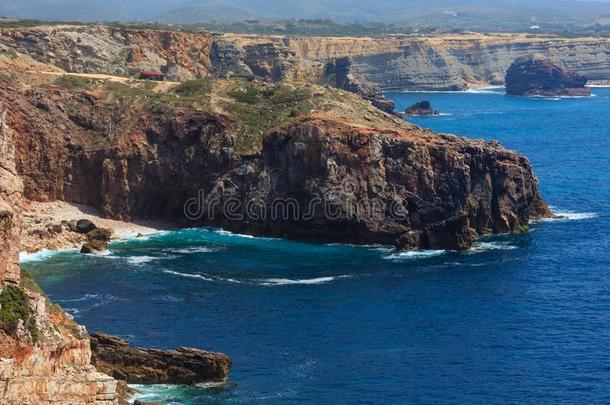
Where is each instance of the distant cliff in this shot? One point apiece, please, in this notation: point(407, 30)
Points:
point(449, 62)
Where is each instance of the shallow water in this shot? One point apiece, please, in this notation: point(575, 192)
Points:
point(519, 318)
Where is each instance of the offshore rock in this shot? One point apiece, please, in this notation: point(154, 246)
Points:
point(539, 76)
point(187, 366)
point(421, 108)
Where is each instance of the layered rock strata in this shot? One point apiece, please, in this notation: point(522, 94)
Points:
point(442, 62)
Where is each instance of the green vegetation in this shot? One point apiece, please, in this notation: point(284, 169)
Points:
point(522, 229)
point(261, 107)
point(13, 303)
point(194, 88)
point(27, 282)
point(75, 82)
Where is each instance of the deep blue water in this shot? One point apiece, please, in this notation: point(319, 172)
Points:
point(521, 319)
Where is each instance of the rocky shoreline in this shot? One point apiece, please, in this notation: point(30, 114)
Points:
point(263, 142)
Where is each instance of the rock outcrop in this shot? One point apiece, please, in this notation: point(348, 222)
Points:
point(379, 178)
point(120, 51)
point(44, 356)
point(538, 76)
point(421, 108)
point(340, 72)
point(185, 366)
point(11, 188)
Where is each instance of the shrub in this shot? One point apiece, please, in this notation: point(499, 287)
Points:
point(194, 88)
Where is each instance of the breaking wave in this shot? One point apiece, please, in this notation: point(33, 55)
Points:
point(261, 282)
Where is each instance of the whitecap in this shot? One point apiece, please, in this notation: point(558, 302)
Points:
point(138, 260)
point(85, 297)
point(567, 215)
point(41, 255)
point(194, 249)
point(203, 277)
point(227, 233)
point(487, 246)
point(287, 281)
point(414, 255)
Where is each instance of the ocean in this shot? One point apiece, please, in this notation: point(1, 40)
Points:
point(519, 318)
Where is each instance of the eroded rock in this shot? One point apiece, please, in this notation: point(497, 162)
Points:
point(188, 366)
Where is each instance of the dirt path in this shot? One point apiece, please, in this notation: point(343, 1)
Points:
point(161, 86)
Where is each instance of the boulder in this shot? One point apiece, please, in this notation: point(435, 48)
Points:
point(539, 76)
point(421, 108)
point(94, 246)
point(185, 366)
point(84, 226)
point(100, 234)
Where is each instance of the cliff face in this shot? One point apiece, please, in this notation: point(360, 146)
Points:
point(44, 356)
point(97, 49)
point(373, 180)
point(449, 62)
point(11, 188)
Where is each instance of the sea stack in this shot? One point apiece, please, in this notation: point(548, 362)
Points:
point(421, 108)
point(538, 76)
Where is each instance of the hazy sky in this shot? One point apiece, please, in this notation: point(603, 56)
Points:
point(345, 10)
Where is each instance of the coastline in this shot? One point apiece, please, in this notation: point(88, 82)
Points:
point(44, 226)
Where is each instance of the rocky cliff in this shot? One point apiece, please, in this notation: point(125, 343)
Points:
point(306, 162)
point(44, 356)
point(446, 62)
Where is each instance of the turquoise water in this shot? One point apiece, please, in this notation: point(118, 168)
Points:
point(523, 319)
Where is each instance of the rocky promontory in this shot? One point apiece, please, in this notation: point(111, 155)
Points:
point(184, 366)
point(539, 76)
point(293, 160)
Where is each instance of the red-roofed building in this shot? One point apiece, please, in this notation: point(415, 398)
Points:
point(153, 75)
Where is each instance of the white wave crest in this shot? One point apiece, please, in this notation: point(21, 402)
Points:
point(487, 246)
point(414, 255)
point(227, 233)
point(138, 260)
point(261, 282)
point(287, 281)
point(568, 215)
point(203, 277)
point(41, 255)
point(194, 249)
